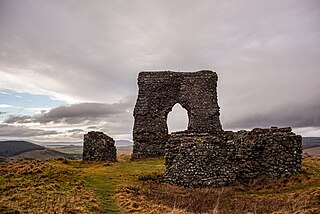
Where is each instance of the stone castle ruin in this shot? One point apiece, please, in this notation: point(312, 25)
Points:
point(158, 93)
point(204, 154)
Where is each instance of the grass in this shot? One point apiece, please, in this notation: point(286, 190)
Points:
point(108, 178)
point(127, 186)
point(297, 194)
point(44, 187)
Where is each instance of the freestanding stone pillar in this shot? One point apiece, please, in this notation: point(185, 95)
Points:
point(158, 93)
point(99, 146)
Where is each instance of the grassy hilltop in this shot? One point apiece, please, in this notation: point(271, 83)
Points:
point(72, 186)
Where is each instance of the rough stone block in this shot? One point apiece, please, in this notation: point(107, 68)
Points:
point(98, 146)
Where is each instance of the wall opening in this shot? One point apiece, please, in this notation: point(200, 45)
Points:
point(177, 119)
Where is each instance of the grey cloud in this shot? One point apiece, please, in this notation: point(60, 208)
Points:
point(265, 52)
point(19, 119)
point(2, 112)
point(93, 127)
point(101, 47)
point(78, 113)
point(307, 115)
point(75, 130)
point(23, 131)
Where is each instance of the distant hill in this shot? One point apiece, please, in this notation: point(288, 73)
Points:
point(11, 148)
point(26, 150)
point(126, 150)
point(309, 142)
point(123, 147)
point(123, 143)
point(118, 143)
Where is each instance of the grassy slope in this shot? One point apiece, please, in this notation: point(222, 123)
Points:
point(44, 187)
point(137, 187)
point(11, 148)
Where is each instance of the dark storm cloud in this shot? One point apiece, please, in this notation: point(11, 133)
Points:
point(305, 116)
point(265, 53)
point(23, 131)
point(78, 113)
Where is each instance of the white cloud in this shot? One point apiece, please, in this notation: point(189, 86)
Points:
point(7, 106)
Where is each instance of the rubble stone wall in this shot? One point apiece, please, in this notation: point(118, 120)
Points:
point(99, 146)
point(203, 159)
point(158, 93)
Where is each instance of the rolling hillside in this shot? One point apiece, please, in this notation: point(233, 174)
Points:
point(11, 148)
point(25, 150)
point(308, 142)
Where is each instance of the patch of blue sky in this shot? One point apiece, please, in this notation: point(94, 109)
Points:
point(17, 103)
point(27, 100)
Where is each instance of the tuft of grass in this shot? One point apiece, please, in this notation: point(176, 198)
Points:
point(44, 187)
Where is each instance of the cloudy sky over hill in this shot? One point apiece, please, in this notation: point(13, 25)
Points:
point(67, 67)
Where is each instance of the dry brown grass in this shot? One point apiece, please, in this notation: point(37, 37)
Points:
point(297, 194)
point(43, 187)
point(137, 187)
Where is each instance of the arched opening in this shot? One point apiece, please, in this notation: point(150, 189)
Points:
point(177, 119)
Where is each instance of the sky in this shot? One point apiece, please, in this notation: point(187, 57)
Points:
point(69, 67)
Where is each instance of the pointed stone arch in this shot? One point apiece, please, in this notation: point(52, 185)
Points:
point(158, 93)
point(172, 118)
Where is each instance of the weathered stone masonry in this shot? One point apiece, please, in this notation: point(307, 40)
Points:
point(196, 160)
point(99, 146)
point(158, 93)
point(205, 155)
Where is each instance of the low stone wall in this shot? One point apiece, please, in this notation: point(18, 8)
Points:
point(202, 159)
point(99, 146)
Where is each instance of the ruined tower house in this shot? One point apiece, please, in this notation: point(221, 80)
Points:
point(158, 93)
point(204, 154)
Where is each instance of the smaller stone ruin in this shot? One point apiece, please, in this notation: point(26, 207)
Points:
point(99, 146)
point(202, 159)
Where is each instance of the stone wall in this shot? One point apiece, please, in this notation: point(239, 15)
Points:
point(202, 159)
point(158, 93)
point(98, 146)
point(205, 155)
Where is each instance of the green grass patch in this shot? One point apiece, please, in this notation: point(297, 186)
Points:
point(108, 178)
